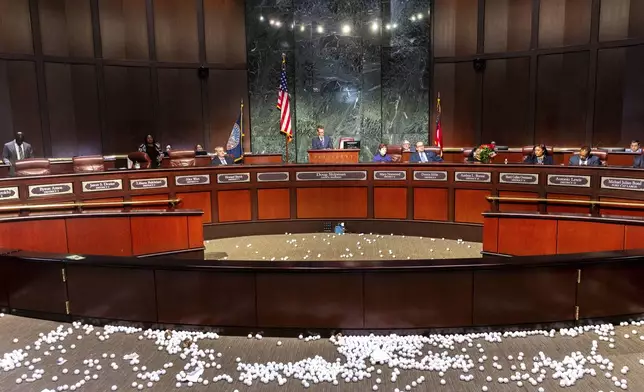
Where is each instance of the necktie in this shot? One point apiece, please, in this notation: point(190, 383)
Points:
point(423, 157)
point(20, 153)
point(223, 161)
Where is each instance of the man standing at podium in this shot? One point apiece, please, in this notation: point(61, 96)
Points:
point(321, 142)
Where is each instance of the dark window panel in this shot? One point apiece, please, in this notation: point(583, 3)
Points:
point(507, 25)
point(562, 99)
point(15, 27)
point(180, 109)
point(455, 26)
point(225, 32)
point(124, 32)
point(66, 28)
point(621, 19)
point(456, 82)
point(175, 29)
point(564, 23)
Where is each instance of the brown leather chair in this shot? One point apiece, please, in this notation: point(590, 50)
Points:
point(181, 158)
point(91, 163)
point(32, 167)
point(141, 158)
point(435, 150)
point(395, 152)
point(527, 151)
point(466, 155)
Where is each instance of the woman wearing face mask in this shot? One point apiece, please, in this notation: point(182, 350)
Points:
point(382, 155)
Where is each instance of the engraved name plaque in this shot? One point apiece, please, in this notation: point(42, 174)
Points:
point(390, 175)
point(101, 186)
point(9, 193)
point(51, 189)
point(430, 175)
point(519, 178)
point(273, 176)
point(331, 176)
point(473, 176)
point(569, 180)
point(625, 184)
point(199, 179)
point(230, 178)
point(149, 183)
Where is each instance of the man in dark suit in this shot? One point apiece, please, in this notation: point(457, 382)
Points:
point(638, 162)
point(16, 150)
point(221, 159)
point(422, 156)
point(584, 158)
point(321, 142)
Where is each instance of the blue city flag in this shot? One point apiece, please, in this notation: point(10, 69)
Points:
point(234, 147)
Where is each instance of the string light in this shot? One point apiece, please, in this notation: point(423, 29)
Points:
point(374, 26)
point(346, 29)
point(271, 22)
point(388, 26)
point(320, 29)
point(302, 28)
point(261, 18)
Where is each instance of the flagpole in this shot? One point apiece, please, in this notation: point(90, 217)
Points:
point(285, 134)
point(241, 126)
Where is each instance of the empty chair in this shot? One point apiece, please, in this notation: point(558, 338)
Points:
point(32, 167)
point(395, 152)
point(181, 158)
point(90, 163)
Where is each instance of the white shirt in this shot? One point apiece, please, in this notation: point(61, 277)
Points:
point(583, 162)
point(423, 157)
point(223, 160)
point(20, 152)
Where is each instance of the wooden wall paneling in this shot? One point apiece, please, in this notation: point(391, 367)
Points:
point(224, 108)
point(124, 33)
point(620, 96)
point(225, 33)
point(147, 197)
point(93, 293)
point(506, 96)
point(457, 84)
point(175, 30)
point(73, 109)
point(286, 300)
point(621, 211)
point(47, 236)
point(470, 204)
point(99, 236)
point(609, 290)
point(37, 287)
point(416, 300)
point(633, 237)
point(578, 237)
point(431, 204)
point(518, 206)
point(180, 116)
point(157, 234)
point(66, 28)
point(347, 202)
point(524, 237)
point(129, 109)
point(105, 200)
point(200, 298)
point(273, 204)
point(564, 22)
point(621, 19)
point(15, 27)
point(195, 232)
point(507, 25)
point(561, 99)
point(455, 27)
point(197, 201)
point(515, 296)
point(567, 208)
point(19, 107)
point(491, 235)
point(5, 269)
point(390, 203)
point(234, 205)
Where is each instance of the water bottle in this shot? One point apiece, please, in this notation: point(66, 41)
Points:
point(505, 161)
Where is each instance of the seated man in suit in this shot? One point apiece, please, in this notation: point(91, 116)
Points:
point(635, 147)
point(638, 162)
point(420, 156)
point(16, 150)
point(321, 142)
point(584, 158)
point(221, 159)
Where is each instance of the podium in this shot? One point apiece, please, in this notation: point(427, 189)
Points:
point(334, 156)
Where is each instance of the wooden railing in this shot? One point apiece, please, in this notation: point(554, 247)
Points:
point(590, 203)
point(80, 205)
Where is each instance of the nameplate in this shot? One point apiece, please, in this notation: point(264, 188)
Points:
point(569, 180)
point(272, 176)
point(229, 178)
point(627, 184)
point(200, 179)
point(9, 193)
point(390, 175)
point(101, 186)
point(519, 178)
point(51, 189)
point(473, 176)
point(149, 183)
point(430, 175)
point(331, 176)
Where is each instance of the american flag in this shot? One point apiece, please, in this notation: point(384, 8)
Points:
point(284, 105)
point(438, 139)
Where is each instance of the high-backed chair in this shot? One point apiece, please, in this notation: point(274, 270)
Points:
point(466, 155)
point(91, 163)
point(32, 167)
point(141, 158)
point(182, 158)
point(395, 152)
point(527, 151)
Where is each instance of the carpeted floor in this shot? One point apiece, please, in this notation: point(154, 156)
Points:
point(627, 352)
point(323, 246)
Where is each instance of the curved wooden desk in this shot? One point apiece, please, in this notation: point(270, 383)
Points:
point(326, 295)
point(444, 200)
